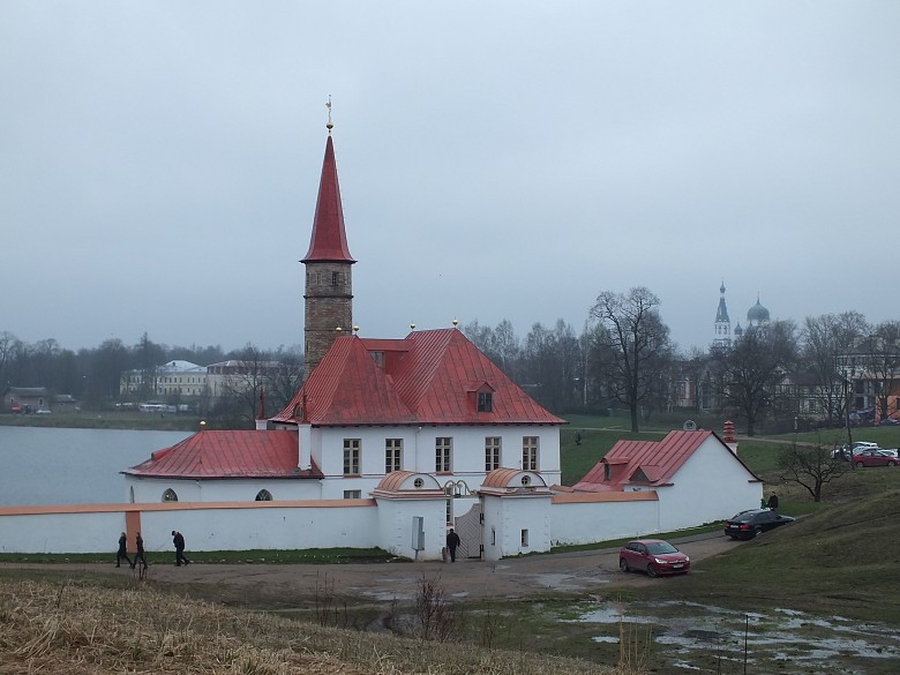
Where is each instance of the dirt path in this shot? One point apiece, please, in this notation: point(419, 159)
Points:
point(258, 583)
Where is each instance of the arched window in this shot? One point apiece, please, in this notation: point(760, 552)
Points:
point(170, 496)
point(263, 496)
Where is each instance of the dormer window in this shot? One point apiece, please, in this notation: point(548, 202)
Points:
point(485, 401)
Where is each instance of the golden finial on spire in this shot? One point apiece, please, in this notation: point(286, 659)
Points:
point(330, 124)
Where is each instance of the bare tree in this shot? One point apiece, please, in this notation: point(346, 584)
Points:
point(499, 344)
point(883, 363)
point(811, 466)
point(825, 338)
point(10, 345)
point(551, 365)
point(632, 347)
point(284, 378)
point(755, 365)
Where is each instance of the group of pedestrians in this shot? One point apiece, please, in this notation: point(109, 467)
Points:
point(122, 553)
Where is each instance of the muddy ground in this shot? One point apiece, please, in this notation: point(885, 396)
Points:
point(257, 583)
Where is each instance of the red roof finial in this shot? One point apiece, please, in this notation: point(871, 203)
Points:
point(330, 124)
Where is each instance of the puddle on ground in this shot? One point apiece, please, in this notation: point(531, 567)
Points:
point(787, 640)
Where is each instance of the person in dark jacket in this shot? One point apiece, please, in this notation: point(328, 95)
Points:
point(452, 543)
point(773, 502)
point(122, 553)
point(139, 556)
point(178, 540)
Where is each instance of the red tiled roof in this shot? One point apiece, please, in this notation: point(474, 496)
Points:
point(213, 454)
point(329, 237)
point(650, 463)
point(430, 377)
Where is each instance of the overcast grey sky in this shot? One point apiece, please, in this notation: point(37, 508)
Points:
point(159, 162)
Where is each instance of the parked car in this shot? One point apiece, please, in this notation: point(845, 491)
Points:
point(888, 422)
point(753, 522)
point(653, 556)
point(874, 457)
point(845, 452)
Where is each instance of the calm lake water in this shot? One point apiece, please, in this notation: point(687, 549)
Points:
point(72, 466)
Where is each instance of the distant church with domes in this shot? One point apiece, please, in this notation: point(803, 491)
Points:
point(723, 336)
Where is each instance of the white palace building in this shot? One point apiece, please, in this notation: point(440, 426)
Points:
point(388, 443)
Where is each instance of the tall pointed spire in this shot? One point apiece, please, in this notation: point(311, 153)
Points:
point(329, 279)
point(722, 324)
point(329, 238)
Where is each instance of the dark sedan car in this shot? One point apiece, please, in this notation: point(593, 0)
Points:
point(752, 523)
point(653, 556)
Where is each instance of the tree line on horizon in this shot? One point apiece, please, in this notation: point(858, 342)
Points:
point(623, 357)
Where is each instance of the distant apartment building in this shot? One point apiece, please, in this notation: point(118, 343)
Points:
point(176, 377)
point(186, 380)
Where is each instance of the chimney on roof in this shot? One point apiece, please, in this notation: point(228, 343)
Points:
point(729, 437)
point(262, 422)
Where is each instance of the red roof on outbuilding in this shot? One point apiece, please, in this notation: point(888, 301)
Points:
point(429, 377)
point(649, 463)
point(228, 454)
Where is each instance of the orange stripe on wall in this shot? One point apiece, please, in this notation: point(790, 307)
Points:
point(132, 527)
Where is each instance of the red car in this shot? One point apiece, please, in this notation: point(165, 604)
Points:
point(874, 457)
point(653, 556)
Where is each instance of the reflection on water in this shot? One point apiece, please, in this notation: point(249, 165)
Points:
point(72, 466)
point(789, 640)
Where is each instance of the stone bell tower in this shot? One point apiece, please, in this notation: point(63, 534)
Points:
point(329, 280)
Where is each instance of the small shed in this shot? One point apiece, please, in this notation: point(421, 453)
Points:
point(26, 399)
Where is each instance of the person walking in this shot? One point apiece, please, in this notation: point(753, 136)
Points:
point(122, 553)
point(452, 543)
point(178, 540)
point(773, 502)
point(139, 556)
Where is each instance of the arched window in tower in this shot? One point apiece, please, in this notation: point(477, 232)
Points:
point(263, 496)
point(170, 496)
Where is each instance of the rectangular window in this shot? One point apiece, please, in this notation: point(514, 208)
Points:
point(443, 450)
point(393, 454)
point(335, 278)
point(524, 539)
point(352, 448)
point(352, 494)
point(485, 401)
point(491, 453)
point(530, 453)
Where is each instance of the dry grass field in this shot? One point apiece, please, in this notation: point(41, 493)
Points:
point(81, 628)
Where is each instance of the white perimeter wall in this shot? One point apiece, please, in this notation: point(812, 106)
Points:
point(593, 519)
point(506, 517)
point(78, 532)
point(206, 527)
point(395, 526)
point(711, 485)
